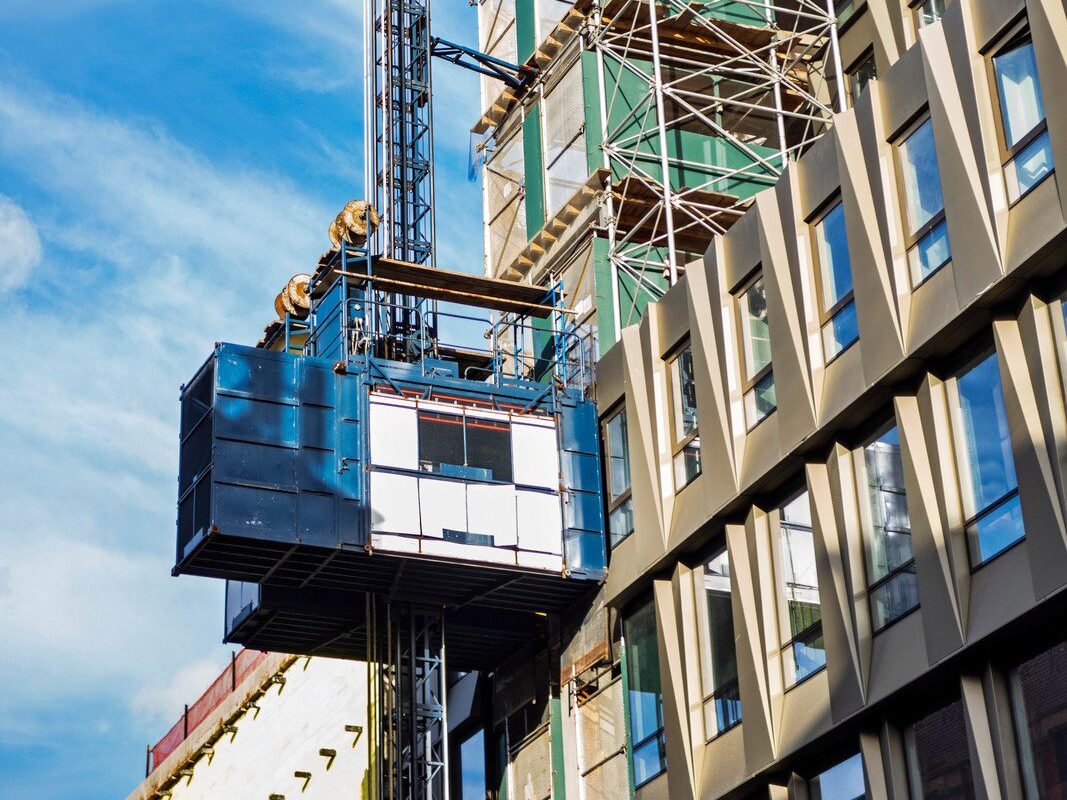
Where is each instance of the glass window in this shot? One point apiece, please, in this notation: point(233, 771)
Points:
point(472, 767)
point(1039, 701)
point(760, 397)
point(924, 204)
point(939, 762)
point(892, 588)
point(991, 493)
point(620, 499)
point(929, 11)
point(648, 747)
point(846, 9)
point(844, 781)
point(838, 308)
point(1022, 111)
point(859, 75)
point(684, 423)
point(722, 705)
point(465, 447)
point(800, 611)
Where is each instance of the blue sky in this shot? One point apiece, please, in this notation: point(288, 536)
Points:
point(164, 168)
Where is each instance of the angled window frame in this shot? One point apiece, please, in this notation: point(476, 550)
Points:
point(749, 382)
point(918, 12)
point(686, 440)
point(852, 72)
point(712, 690)
point(827, 315)
point(975, 356)
point(626, 496)
point(1016, 33)
point(813, 631)
point(868, 524)
point(912, 239)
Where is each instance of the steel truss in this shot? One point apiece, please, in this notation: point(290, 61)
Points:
point(398, 120)
point(408, 655)
point(754, 76)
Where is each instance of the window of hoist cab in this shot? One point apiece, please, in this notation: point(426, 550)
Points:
point(465, 447)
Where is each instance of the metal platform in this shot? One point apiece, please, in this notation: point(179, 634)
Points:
point(316, 622)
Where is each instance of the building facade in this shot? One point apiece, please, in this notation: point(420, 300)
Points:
point(835, 448)
point(285, 727)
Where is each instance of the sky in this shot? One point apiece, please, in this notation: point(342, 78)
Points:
point(164, 169)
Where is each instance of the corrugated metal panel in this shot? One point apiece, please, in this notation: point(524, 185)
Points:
point(601, 757)
point(531, 769)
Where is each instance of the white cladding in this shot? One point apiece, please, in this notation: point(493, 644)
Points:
point(394, 434)
point(285, 734)
point(413, 509)
point(535, 454)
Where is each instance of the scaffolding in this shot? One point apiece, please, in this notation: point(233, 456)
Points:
point(749, 74)
point(678, 112)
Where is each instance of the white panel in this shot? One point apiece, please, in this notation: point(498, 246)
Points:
point(487, 413)
point(542, 561)
point(468, 552)
point(491, 510)
point(540, 522)
point(394, 435)
point(394, 503)
point(535, 456)
point(394, 544)
point(444, 505)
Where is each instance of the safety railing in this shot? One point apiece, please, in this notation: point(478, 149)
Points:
point(350, 321)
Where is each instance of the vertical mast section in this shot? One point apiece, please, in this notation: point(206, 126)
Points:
point(398, 122)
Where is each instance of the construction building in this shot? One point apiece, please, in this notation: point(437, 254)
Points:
point(271, 725)
point(758, 489)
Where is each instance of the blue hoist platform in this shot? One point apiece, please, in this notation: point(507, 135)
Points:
point(369, 489)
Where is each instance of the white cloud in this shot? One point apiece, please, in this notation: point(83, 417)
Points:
point(153, 252)
point(20, 246)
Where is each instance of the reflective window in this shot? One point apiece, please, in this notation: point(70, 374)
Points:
point(841, 782)
point(1039, 700)
point(928, 246)
point(722, 703)
point(892, 588)
point(472, 767)
point(859, 75)
point(929, 11)
point(684, 423)
point(991, 492)
point(939, 762)
point(838, 308)
point(799, 608)
point(620, 500)
point(465, 447)
point(1022, 111)
point(648, 747)
point(760, 396)
point(845, 10)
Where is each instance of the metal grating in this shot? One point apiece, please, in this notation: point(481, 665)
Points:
point(602, 745)
point(531, 768)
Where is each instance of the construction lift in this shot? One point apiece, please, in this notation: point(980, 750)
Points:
point(369, 489)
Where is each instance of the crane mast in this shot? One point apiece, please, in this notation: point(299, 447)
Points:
point(408, 653)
